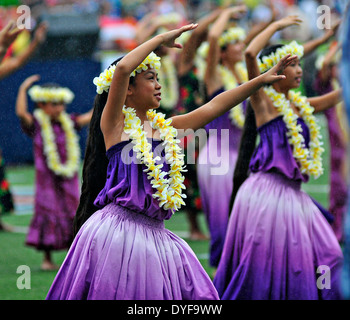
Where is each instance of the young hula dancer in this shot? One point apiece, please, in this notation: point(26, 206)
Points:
point(224, 70)
point(277, 238)
point(57, 159)
point(338, 130)
point(123, 251)
point(7, 66)
point(192, 97)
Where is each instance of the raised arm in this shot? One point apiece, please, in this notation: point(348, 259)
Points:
point(311, 45)
point(112, 114)
point(262, 40)
point(212, 80)
point(194, 41)
point(325, 72)
point(226, 100)
point(258, 27)
point(149, 25)
point(11, 65)
point(146, 27)
point(22, 103)
point(7, 36)
point(255, 46)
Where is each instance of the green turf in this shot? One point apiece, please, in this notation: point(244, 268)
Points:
point(14, 253)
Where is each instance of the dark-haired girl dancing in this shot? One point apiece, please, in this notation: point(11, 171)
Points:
point(123, 251)
point(278, 243)
point(57, 162)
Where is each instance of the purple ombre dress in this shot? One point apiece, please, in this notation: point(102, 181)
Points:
point(123, 251)
point(338, 180)
point(277, 237)
point(56, 197)
point(215, 168)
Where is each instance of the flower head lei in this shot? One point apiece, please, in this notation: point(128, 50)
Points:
point(103, 82)
point(236, 114)
point(169, 18)
point(42, 94)
point(310, 160)
point(293, 48)
point(232, 35)
point(168, 190)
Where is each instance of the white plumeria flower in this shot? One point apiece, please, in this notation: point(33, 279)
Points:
point(168, 190)
point(292, 48)
point(71, 166)
point(310, 160)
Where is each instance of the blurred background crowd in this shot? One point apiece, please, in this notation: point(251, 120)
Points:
point(84, 36)
point(115, 21)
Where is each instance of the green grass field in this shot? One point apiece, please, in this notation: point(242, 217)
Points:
point(14, 253)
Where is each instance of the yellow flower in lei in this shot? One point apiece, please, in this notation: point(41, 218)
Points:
point(42, 94)
point(168, 79)
point(169, 18)
point(104, 80)
point(232, 35)
point(169, 191)
point(200, 60)
point(310, 160)
point(271, 60)
point(152, 60)
point(71, 166)
point(236, 114)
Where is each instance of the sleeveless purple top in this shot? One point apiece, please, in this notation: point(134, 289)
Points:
point(274, 153)
point(224, 122)
point(127, 185)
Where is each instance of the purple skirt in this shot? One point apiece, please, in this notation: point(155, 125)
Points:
point(276, 240)
point(122, 255)
point(215, 184)
point(56, 201)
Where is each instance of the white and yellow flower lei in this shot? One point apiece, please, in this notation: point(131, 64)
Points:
point(71, 166)
point(310, 160)
point(236, 114)
point(103, 82)
point(232, 35)
point(169, 191)
point(169, 18)
point(42, 94)
point(293, 48)
point(168, 79)
point(200, 59)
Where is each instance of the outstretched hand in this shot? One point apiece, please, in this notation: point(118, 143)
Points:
point(41, 32)
point(332, 31)
point(238, 12)
point(275, 73)
point(8, 35)
point(28, 82)
point(170, 36)
point(288, 21)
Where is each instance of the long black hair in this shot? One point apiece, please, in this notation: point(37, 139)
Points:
point(248, 140)
point(95, 164)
